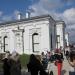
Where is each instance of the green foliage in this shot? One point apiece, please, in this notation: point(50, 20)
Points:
point(24, 58)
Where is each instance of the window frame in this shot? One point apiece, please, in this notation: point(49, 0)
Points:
point(5, 44)
point(33, 43)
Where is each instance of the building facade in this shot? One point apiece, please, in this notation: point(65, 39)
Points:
point(31, 35)
point(60, 34)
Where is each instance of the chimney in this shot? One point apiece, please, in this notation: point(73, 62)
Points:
point(27, 14)
point(19, 16)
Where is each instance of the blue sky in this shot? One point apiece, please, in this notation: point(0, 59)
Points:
point(58, 9)
point(8, 6)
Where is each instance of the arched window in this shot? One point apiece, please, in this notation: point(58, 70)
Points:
point(35, 42)
point(5, 43)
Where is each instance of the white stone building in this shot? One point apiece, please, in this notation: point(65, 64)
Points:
point(31, 35)
point(60, 34)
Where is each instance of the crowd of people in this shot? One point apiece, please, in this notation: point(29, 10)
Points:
point(42, 65)
point(38, 64)
point(53, 58)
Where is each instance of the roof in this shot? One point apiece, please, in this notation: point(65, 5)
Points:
point(60, 22)
point(28, 19)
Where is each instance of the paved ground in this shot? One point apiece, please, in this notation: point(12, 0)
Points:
point(65, 69)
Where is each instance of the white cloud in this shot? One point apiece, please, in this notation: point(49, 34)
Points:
point(16, 12)
point(38, 10)
point(69, 15)
point(49, 6)
point(71, 26)
point(45, 7)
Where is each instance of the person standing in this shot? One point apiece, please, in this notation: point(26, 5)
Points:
point(34, 66)
point(15, 64)
point(6, 64)
point(59, 63)
point(71, 61)
point(67, 54)
point(44, 60)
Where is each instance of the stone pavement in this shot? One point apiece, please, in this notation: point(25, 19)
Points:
point(65, 68)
